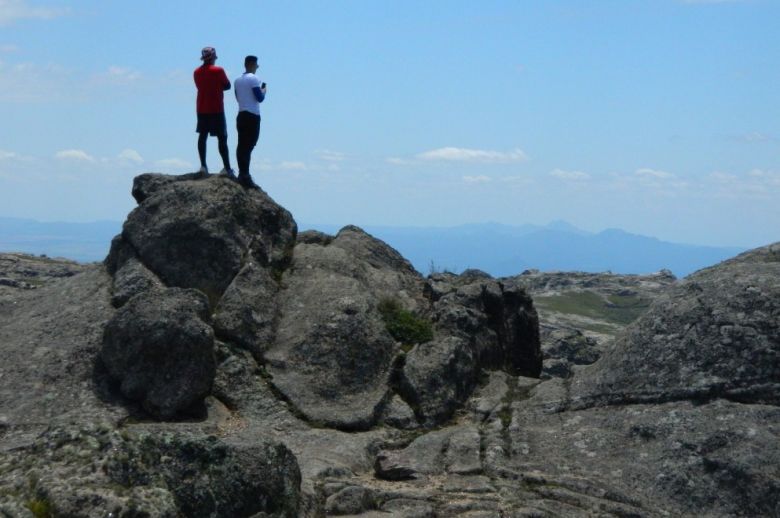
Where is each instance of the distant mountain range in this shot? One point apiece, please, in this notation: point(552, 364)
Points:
point(503, 250)
point(498, 249)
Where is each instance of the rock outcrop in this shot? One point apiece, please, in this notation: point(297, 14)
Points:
point(715, 335)
point(220, 364)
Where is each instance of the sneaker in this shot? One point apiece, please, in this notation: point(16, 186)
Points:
point(228, 173)
point(203, 172)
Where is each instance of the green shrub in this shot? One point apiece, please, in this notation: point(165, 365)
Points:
point(403, 325)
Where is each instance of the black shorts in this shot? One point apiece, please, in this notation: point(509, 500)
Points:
point(212, 123)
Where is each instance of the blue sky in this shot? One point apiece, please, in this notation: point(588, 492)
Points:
point(661, 117)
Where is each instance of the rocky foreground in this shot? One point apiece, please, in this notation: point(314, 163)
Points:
point(218, 363)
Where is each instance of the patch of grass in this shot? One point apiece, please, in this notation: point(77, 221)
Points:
point(605, 329)
point(403, 325)
point(616, 309)
point(40, 508)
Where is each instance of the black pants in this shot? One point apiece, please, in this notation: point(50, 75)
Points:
point(248, 127)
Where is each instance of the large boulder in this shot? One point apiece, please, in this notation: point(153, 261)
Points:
point(159, 347)
point(247, 312)
point(199, 234)
point(496, 317)
point(130, 279)
point(715, 335)
point(437, 377)
point(332, 356)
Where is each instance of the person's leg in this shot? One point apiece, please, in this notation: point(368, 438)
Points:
point(253, 134)
point(202, 147)
point(223, 150)
point(242, 149)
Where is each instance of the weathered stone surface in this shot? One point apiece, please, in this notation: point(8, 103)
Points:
point(247, 313)
point(98, 471)
point(455, 449)
point(408, 508)
point(131, 279)
point(563, 348)
point(718, 459)
point(496, 317)
point(199, 234)
point(489, 397)
point(49, 340)
point(31, 271)
point(332, 356)
point(716, 334)
point(438, 377)
point(462, 456)
point(160, 349)
point(350, 500)
point(399, 414)
point(424, 456)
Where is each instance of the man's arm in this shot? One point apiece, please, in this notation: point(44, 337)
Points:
point(225, 81)
point(259, 93)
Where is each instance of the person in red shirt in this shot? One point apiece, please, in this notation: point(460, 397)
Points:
point(211, 81)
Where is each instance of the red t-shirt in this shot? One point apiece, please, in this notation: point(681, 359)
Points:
point(210, 81)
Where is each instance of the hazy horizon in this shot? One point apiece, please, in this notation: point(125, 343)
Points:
point(500, 250)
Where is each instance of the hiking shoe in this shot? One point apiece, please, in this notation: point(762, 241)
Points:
point(245, 181)
point(228, 173)
point(203, 172)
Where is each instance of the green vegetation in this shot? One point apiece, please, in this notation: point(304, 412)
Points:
point(403, 325)
point(616, 309)
point(40, 508)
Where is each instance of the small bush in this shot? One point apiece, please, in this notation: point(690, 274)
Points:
point(403, 325)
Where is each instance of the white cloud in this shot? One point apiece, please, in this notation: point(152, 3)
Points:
point(769, 177)
point(723, 177)
point(331, 156)
point(8, 48)
point(455, 154)
point(74, 154)
point(130, 155)
point(7, 155)
point(26, 82)
point(649, 181)
point(516, 179)
point(14, 10)
point(117, 75)
point(476, 179)
point(297, 166)
point(569, 175)
point(756, 136)
point(173, 164)
point(653, 173)
point(755, 184)
point(397, 161)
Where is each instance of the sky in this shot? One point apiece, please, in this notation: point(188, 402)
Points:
point(660, 117)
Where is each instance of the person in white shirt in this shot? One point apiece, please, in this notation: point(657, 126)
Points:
point(250, 92)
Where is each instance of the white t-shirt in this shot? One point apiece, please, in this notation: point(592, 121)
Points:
point(244, 95)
